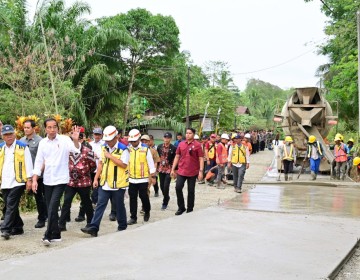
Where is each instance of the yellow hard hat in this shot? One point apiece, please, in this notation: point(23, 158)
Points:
point(337, 138)
point(356, 161)
point(351, 140)
point(312, 139)
point(338, 135)
point(288, 139)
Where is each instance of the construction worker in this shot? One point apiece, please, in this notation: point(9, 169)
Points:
point(340, 152)
point(247, 142)
point(210, 152)
point(314, 153)
point(350, 154)
point(221, 158)
point(238, 160)
point(356, 162)
point(288, 156)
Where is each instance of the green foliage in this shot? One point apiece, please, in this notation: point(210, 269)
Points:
point(340, 75)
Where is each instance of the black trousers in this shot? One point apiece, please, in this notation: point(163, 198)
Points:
point(53, 195)
point(156, 186)
point(180, 182)
point(12, 219)
point(84, 193)
point(288, 166)
point(165, 180)
point(40, 201)
point(140, 190)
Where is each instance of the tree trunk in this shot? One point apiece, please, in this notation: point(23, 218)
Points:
point(128, 99)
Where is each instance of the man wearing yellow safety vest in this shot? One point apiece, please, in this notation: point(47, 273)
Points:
point(340, 152)
point(113, 172)
point(314, 153)
point(238, 160)
point(16, 168)
point(142, 171)
point(356, 162)
point(288, 156)
point(210, 152)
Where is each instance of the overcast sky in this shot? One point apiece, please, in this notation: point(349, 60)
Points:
point(250, 35)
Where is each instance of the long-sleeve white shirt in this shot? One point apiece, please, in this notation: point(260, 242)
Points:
point(54, 154)
point(8, 172)
point(96, 147)
point(151, 165)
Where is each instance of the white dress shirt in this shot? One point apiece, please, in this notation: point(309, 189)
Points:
point(8, 172)
point(54, 154)
point(151, 165)
point(96, 147)
point(125, 156)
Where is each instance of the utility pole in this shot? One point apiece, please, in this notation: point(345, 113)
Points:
point(358, 37)
point(188, 98)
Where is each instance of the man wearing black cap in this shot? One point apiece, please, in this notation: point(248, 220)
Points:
point(167, 153)
point(15, 171)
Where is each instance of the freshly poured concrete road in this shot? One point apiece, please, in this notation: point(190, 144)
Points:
point(294, 233)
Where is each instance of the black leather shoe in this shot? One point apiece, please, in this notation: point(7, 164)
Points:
point(17, 231)
point(40, 224)
point(179, 212)
point(5, 235)
point(189, 210)
point(131, 222)
point(112, 217)
point(62, 227)
point(146, 217)
point(79, 219)
point(89, 230)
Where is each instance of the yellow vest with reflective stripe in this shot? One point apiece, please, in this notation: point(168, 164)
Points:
point(290, 155)
point(138, 165)
point(318, 148)
point(116, 176)
point(211, 151)
point(19, 161)
point(238, 154)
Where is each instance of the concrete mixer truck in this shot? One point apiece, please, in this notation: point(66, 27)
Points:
point(306, 112)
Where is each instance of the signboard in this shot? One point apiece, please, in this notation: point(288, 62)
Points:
point(208, 125)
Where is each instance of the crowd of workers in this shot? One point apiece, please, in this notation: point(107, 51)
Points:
point(103, 169)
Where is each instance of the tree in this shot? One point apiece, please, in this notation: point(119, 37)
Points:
point(156, 44)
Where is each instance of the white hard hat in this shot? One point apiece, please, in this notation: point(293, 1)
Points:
point(109, 133)
point(225, 136)
point(196, 137)
point(134, 135)
point(247, 135)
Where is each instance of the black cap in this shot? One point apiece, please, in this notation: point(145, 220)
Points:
point(167, 135)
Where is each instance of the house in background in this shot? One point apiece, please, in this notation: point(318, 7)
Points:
point(243, 110)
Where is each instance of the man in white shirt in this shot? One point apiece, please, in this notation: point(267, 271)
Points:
point(53, 155)
point(15, 171)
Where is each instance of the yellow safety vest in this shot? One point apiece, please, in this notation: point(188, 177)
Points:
point(211, 151)
point(318, 148)
point(116, 176)
point(19, 161)
point(238, 154)
point(290, 155)
point(138, 166)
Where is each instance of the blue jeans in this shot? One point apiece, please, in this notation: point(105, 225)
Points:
point(238, 174)
point(314, 165)
point(103, 200)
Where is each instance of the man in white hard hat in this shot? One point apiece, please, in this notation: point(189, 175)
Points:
point(113, 172)
point(141, 169)
point(222, 159)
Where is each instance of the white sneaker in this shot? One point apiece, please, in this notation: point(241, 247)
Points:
point(45, 241)
point(55, 240)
